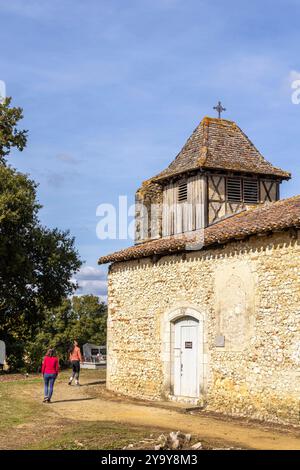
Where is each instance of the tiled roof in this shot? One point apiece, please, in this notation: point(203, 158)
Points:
point(220, 144)
point(275, 216)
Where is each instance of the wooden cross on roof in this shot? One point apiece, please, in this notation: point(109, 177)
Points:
point(219, 108)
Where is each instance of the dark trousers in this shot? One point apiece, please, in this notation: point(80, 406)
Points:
point(49, 380)
point(75, 369)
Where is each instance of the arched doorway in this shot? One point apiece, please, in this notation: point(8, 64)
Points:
point(186, 355)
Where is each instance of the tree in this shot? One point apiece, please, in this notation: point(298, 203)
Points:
point(10, 136)
point(81, 318)
point(91, 314)
point(36, 263)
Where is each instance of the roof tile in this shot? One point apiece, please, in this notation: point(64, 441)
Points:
point(220, 144)
point(275, 216)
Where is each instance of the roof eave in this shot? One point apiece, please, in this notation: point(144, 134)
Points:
point(209, 244)
point(284, 175)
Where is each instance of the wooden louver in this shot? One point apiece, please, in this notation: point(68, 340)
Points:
point(250, 191)
point(242, 190)
point(182, 191)
point(234, 189)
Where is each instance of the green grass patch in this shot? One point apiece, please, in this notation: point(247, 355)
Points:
point(95, 436)
point(85, 374)
point(16, 407)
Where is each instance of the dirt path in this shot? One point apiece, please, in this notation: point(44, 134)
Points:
point(86, 404)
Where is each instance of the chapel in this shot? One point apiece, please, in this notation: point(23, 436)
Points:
point(204, 308)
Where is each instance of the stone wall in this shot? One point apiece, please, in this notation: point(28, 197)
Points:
point(247, 291)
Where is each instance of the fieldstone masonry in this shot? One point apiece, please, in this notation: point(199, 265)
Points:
point(247, 292)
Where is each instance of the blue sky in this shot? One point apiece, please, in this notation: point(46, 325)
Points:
point(112, 89)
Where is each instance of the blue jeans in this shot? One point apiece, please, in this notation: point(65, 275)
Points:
point(49, 380)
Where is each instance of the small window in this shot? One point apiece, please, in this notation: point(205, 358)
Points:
point(250, 191)
point(182, 191)
point(234, 189)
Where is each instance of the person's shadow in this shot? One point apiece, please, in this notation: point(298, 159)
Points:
point(74, 399)
point(99, 382)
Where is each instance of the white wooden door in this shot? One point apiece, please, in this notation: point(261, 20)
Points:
point(186, 357)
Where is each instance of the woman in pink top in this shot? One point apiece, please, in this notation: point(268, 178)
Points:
point(50, 372)
point(76, 359)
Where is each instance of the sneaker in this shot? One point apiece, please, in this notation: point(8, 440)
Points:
point(70, 382)
point(45, 400)
point(48, 400)
point(78, 384)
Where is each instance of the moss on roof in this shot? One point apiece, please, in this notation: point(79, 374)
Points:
point(220, 144)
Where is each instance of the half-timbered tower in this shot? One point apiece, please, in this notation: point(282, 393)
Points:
point(218, 172)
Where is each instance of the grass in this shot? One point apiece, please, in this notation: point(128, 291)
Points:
point(17, 405)
point(84, 373)
point(26, 424)
point(16, 408)
point(93, 436)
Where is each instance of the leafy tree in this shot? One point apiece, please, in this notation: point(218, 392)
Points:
point(92, 316)
point(36, 263)
point(81, 318)
point(10, 136)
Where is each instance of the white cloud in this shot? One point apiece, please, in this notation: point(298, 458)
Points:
point(91, 280)
point(93, 287)
point(90, 273)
